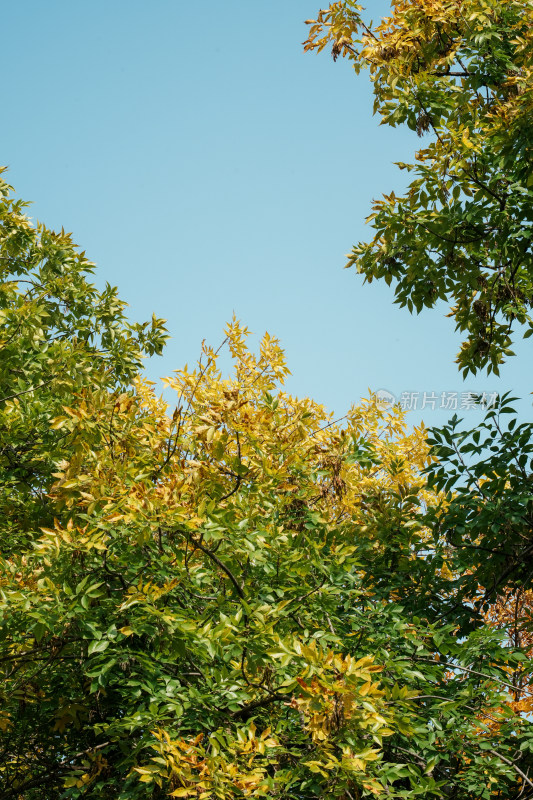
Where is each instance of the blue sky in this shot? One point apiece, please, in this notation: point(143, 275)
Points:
point(209, 166)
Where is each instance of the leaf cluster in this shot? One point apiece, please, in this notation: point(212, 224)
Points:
point(460, 73)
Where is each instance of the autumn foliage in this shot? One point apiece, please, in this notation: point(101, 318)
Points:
point(229, 593)
point(460, 75)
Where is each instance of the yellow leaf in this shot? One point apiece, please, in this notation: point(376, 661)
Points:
point(115, 517)
point(58, 423)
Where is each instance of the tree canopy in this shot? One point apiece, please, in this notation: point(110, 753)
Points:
point(236, 599)
point(236, 595)
point(460, 73)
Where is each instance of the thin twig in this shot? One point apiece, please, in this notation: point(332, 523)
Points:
point(511, 764)
point(222, 566)
point(32, 389)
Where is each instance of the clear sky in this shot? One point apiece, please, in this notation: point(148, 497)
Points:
point(209, 166)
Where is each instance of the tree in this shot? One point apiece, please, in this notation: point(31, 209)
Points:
point(487, 521)
point(243, 597)
point(514, 613)
point(238, 599)
point(60, 338)
point(460, 72)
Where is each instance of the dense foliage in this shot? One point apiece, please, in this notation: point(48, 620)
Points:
point(60, 337)
point(461, 72)
point(238, 596)
point(237, 599)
